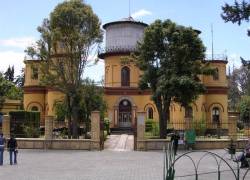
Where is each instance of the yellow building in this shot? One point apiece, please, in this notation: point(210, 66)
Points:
point(122, 94)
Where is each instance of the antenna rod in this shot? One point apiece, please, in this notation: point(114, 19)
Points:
point(212, 33)
point(129, 10)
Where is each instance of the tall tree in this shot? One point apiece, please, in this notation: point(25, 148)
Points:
point(8, 90)
point(170, 56)
point(237, 12)
point(234, 91)
point(68, 37)
point(20, 79)
point(9, 74)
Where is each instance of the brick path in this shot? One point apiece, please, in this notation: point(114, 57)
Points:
point(122, 142)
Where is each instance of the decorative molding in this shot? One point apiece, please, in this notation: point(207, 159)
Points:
point(216, 103)
point(216, 90)
point(125, 91)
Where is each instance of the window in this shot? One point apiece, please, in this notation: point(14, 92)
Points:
point(34, 108)
point(150, 113)
point(216, 74)
point(216, 114)
point(34, 74)
point(125, 76)
point(189, 111)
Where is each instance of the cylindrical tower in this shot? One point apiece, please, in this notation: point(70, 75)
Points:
point(122, 36)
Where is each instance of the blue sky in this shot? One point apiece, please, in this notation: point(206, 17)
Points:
point(19, 20)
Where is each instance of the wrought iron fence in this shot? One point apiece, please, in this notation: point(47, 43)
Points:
point(63, 130)
point(203, 130)
point(204, 165)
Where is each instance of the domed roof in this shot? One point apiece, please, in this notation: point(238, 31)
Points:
point(125, 20)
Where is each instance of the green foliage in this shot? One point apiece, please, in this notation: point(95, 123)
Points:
point(107, 125)
point(152, 128)
point(244, 109)
point(200, 127)
point(72, 32)
point(60, 111)
point(25, 123)
point(8, 90)
point(9, 74)
point(236, 13)
point(171, 57)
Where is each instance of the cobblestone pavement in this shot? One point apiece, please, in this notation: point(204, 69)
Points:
point(110, 164)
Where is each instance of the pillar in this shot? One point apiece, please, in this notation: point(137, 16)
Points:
point(49, 127)
point(133, 116)
point(232, 127)
point(6, 126)
point(141, 117)
point(115, 116)
point(95, 130)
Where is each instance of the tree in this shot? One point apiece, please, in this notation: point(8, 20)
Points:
point(8, 90)
point(244, 109)
point(9, 74)
point(234, 92)
point(236, 13)
point(68, 37)
point(170, 57)
point(20, 79)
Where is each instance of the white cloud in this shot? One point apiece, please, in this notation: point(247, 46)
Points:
point(20, 42)
point(141, 13)
point(10, 58)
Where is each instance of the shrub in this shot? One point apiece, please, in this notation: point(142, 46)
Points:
point(149, 125)
point(25, 124)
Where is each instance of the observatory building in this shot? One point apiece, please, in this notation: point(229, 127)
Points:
point(124, 98)
point(122, 94)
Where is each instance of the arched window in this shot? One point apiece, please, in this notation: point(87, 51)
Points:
point(189, 112)
point(34, 108)
point(125, 76)
point(34, 73)
point(216, 115)
point(216, 74)
point(150, 113)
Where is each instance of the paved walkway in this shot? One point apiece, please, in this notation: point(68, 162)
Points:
point(123, 142)
point(104, 165)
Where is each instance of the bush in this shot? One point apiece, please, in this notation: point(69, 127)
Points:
point(240, 125)
point(25, 124)
point(199, 127)
point(106, 125)
point(149, 125)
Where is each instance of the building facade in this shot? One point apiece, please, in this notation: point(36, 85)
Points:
point(122, 94)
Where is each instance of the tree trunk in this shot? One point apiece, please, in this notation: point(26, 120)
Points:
point(69, 117)
point(163, 124)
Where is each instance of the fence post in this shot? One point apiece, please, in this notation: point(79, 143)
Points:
point(141, 116)
point(95, 130)
point(232, 127)
point(49, 127)
point(6, 126)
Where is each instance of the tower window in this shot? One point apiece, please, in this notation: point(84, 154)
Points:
point(216, 74)
point(34, 74)
point(125, 76)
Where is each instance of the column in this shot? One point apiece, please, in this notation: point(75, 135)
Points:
point(116, 116)
point(141, 116)
point(6, 126)
point(232, 127)
point(133, 115)
point(95, 130)
point(49, 127)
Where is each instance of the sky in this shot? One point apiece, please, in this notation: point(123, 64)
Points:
point(19, 21)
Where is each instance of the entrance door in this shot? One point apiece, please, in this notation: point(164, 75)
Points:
point(125, 115)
